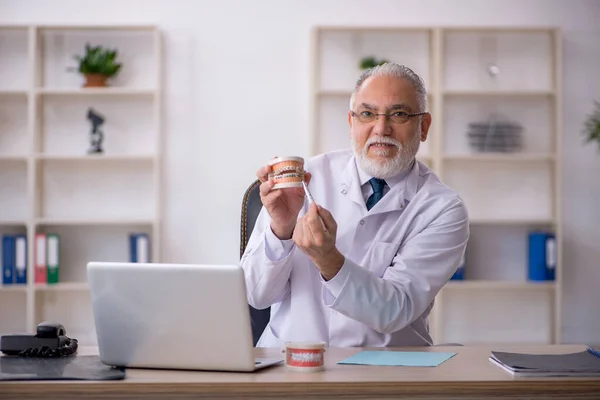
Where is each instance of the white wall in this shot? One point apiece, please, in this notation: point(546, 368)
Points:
point(237, 93)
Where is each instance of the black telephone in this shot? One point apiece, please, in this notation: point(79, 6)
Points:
point(49, 341)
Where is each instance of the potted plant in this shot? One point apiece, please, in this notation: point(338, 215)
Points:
point(591, 128)
point(98, 65)
point(370, 62)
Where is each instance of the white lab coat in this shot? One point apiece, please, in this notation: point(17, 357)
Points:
point(398, 255)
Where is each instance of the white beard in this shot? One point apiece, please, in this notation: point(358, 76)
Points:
point(391, 166)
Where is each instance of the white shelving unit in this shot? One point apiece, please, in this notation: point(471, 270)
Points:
point(49, 182)
point(508, 195)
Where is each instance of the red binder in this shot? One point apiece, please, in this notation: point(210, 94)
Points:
point(41, 272)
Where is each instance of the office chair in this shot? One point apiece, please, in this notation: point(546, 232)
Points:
point(251, 206)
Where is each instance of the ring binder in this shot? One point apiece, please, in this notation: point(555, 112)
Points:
point(593, 351)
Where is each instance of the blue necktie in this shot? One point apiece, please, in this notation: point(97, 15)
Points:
point(377, 185)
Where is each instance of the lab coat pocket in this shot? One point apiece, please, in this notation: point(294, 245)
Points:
point(380, 257)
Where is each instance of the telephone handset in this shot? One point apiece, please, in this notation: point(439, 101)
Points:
point(50, 340)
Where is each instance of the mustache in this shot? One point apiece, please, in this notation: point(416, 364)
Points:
point(383, 140)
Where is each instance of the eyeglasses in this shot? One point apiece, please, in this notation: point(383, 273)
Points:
point(397, 117)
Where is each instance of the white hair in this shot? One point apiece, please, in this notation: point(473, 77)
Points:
point(398, 71)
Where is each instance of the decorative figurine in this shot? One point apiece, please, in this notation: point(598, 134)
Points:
point(96, 136)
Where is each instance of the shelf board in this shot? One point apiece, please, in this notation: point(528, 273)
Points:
point(12, 222)
point(348, 93)
point(13, 92)
point(93, 221)
point(498, 29)
point(92, 27)
point(62, 286)
point(512, 221)
point(373, 28)
point(335, 93)
point(121, 91)
point(13, 288)
point(499, 93)
point(95, 157)
point(505, 157)
point(7, 157)
point(499, 285)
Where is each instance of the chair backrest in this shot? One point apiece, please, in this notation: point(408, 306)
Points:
point(251, 206)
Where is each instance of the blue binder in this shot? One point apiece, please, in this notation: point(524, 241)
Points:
point(20, 260)
point(459, 274)
point(139, 248)
point(542, 256)
point(8, 259)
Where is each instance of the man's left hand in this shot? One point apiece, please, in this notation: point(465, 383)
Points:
point(317, 240)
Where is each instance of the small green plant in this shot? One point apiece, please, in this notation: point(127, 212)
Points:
point(370, 62)
point(591, 128)
point(98, 60)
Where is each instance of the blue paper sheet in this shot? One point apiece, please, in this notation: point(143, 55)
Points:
point(399, 358)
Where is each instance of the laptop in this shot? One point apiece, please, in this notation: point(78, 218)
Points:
point(173, 316)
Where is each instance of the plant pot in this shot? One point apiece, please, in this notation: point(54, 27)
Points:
point(95, 80)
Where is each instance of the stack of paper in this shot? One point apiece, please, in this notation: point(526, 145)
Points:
point(585, 363)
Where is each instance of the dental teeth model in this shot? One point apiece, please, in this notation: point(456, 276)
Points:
point(287, 172)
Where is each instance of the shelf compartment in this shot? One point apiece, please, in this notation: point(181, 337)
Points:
point(14, 69)
point(128, 128)
point(535, 115)
point(489, 316)
point(79, 245)
point(96, 191)
point(499, 254)
point(13, 195)
point(13, 313)
point(341, 52)
point(503, 191)
point(524, 60)
point(135, 51)
point(14, 136)
point(72, 308)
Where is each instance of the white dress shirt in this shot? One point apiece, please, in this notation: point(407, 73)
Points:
point(398, 255)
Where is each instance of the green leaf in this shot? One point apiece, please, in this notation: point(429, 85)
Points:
point(98, 60)
point(370, 62)
point(591, 127)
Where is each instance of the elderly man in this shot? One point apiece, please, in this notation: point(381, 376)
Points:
point(392, 233)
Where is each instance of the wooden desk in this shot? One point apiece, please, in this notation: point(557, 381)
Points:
point(468, 375)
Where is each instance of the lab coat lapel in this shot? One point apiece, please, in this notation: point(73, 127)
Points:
point(400, 195)
point(350, 184)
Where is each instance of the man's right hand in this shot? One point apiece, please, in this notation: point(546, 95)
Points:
point(283, 205)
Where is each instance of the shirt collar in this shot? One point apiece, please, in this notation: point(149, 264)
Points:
point(393, 181)
point(352, 178)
